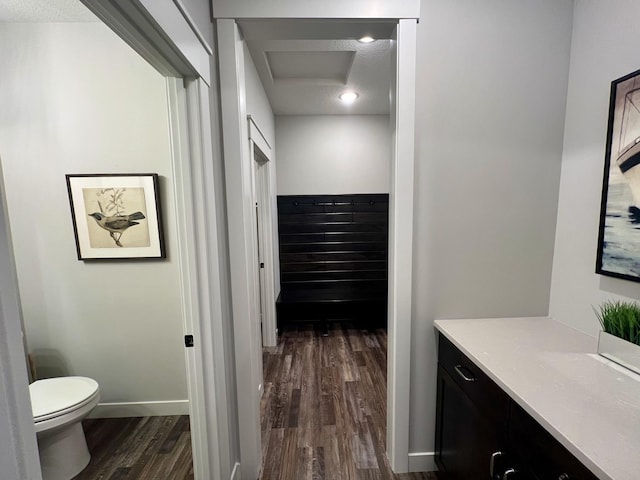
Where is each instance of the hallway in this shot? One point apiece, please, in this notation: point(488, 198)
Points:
point(324, 406)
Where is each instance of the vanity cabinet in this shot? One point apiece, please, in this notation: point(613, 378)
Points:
point(482, 434)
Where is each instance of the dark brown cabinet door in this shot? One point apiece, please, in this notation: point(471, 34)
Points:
point(472, 414)
point(465, 440)
point(544, 456)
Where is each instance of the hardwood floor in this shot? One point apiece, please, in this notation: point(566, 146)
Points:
point(324, 406)
point(140, 448)
point(323, 417)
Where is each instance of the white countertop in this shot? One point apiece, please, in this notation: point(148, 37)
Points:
point(589, 404)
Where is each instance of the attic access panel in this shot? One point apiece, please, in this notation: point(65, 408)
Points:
point(307, 65)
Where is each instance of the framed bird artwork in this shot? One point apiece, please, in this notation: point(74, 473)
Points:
point(116, 216)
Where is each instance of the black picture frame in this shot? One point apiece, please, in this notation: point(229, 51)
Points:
point(618, 253)
point(116, 216)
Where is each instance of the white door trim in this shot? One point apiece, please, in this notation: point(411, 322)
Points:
point(212, 328)
point(18, 448)
point(336, 9)
point(242, 250)
point(187, 156)
point(401, 246)
point(257, 137)
point(263, 194)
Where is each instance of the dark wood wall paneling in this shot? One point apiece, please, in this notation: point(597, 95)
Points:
point(333, 257)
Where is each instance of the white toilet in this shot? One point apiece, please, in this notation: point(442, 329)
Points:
point(59, 404)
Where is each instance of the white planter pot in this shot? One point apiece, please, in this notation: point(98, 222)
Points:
point(620, 351)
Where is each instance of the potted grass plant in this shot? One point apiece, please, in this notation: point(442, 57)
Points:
point(619, 339)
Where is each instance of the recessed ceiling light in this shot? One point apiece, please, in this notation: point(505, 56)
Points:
point(348, 97)
point(366, 39)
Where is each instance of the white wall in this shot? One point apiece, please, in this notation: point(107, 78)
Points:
point(491, 94)
point(603, 49)
point(333, 154)
point(76, 99)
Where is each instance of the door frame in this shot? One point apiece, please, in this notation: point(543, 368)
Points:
point(161, 32)
point(399, 308)
point(262, 195)
point(232, 84)
point(184, 99)
point(18, 447)
point(242, 248)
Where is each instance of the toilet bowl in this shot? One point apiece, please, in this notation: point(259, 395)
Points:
point(59, 404)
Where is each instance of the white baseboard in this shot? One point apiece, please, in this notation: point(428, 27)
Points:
point(422, 462)
point(140, 409)
point(235, 474)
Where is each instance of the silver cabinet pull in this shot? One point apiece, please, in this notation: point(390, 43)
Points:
point(495, 456)
point(466, 378)
point(511, 473)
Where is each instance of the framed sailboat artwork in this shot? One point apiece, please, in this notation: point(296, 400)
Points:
point(619, 233)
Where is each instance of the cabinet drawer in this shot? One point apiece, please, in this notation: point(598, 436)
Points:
point(546, 457)
point(486, 396)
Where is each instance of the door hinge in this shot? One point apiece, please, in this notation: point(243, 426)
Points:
point(188, 341)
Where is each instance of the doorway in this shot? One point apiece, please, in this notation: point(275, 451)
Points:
point(262, 193)
point(401, 224)
point(181, 202)
point(79, 315)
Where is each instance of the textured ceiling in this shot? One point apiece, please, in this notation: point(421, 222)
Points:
point(45, 11)
point(304, 69)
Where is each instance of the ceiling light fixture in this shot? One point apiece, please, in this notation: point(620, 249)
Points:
point(366, 39)
point(348, 97)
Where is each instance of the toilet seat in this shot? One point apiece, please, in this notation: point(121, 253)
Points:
point(55, 397)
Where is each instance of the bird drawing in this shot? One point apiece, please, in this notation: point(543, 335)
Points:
point(117, 224)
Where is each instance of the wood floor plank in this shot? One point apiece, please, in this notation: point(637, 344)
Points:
point(121, 473)
point(359, 358)
point(327, 411)
point(281, 403)
point(305, 463)
point(331, 454)
point(289, 455)
point(354, 337)
point(318, 464)
point(369, 474)
point(294, 408)
point(266, 416)
point(309, 428)
point(271, 469)
point(180, 426)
